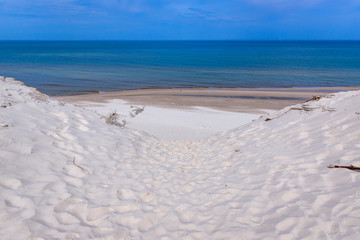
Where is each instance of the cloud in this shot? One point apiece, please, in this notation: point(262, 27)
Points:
point(44, 7)
point(193, 12)
point(286, 3)
point(132, 6)
point(202, 13)
point(178, 18)
point(198, 10)
point(210, 10)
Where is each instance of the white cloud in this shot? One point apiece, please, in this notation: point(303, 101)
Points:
point(209, 12)
point(134, 6)
point(286, 3)
point(44, 7)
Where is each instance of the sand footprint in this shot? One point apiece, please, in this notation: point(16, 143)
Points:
point(149, 221)
point(127, 206)
point(128, 220)
point(149, 198)
point(64, 131)
point(82, 123)
point(76, 182)
point(66, 218)
point(303, 135)
point(185, 213)
point(100, 212)
point(286, 225)
point(18, 201)
point(125, 194)
point(61, 115)
point(81, 119)
point(74, 171)
point(69, 205)
point(67, 136)
point(11, 183)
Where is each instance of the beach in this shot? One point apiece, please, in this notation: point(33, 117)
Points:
point(193, 114)
point(226, 99)
point(88, 167)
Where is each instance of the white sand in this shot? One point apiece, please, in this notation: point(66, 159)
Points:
point(172, 123)
point(66, 174)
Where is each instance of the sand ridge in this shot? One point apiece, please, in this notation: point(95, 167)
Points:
point(66, 174)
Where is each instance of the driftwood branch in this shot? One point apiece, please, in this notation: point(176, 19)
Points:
point(351, 167)
point(84, 170)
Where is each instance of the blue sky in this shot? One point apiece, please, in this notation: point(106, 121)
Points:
point(179, 19)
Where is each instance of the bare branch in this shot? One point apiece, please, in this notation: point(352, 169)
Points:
point(84, 170)
point(351, 167)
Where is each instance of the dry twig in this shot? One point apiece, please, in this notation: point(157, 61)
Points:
point(314, 98)
point(351, 167)
point(136, 111)
point(84, 170)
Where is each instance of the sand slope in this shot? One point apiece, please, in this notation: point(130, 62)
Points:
point(66, 174)
point(171, 123)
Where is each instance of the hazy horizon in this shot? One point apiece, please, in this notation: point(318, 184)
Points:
point(179, 40)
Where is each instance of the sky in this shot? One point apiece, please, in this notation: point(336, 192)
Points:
point(180, 20)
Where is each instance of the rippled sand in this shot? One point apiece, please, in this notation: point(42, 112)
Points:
point(66, 173)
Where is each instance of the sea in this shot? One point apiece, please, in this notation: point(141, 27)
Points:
point(78, 67)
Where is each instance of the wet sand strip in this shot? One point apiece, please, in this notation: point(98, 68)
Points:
point(249, 100)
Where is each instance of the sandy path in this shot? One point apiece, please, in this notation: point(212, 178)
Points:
point(66, 174)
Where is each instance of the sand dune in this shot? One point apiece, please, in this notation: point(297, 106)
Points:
point(67, 174)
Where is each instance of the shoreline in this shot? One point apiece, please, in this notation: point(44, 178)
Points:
point(249, 100)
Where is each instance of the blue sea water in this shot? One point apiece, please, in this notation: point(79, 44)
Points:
point(73, 67)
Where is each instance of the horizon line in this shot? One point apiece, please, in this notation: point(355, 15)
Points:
point(180, 40)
